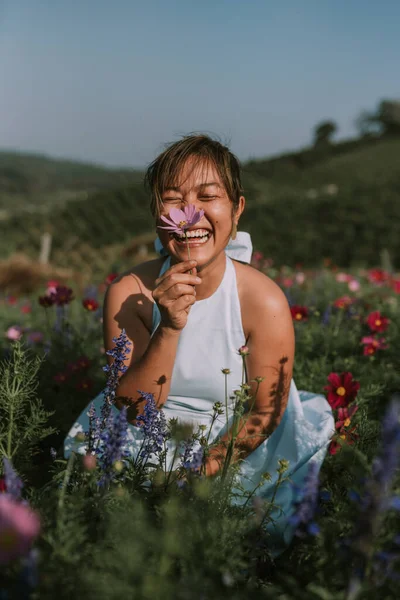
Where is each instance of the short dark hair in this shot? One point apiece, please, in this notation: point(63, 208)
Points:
point(164, 171)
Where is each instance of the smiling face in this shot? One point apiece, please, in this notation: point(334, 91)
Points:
point(199, 185)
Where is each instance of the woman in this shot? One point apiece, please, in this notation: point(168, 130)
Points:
point(187, 320)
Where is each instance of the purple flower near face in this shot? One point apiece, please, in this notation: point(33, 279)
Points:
point(154, 426)
point(13, 482)
point(306, 503)
point(180, 220)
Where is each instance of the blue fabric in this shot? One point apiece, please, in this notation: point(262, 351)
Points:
point(208, 343)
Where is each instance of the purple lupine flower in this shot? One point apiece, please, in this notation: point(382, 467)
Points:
point(154, 426)
point(326, 317)
point(192, 459)
point(306, 503)
point(376, 499)
point(113, 440)
point(13, 482)
point(59, 319)
point(119, 353)
point(93, 435)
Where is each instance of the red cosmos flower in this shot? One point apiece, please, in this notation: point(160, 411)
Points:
point(287, 281)
point(26, 309)
point(110, 278)
point(84, 385)
point(83, 362)
point(372, 344)
point(90, 304)
point(347, 436)
point(257, 256)
point(343, 302)
point(377, 322)
point(12, 300)
point(3, 487)
point(63, 295)
point(344, 416)
point(396, 286)
point(60, 377)
point(46, 301)
point(299, 313)
point(378, 276)
point(342, 389)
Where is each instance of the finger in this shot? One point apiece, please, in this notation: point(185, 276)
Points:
point(178, 290)
point(184, 302)
point(177, 279)
point(180, 267)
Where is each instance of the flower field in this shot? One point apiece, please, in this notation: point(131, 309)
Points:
point(103, 525)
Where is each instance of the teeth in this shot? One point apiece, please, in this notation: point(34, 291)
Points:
point(192, 234)
point(202, 239)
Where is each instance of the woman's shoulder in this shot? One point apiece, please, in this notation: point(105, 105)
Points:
point(136, 285)
point(256, 292)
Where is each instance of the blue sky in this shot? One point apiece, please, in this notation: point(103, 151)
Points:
point(112, 82)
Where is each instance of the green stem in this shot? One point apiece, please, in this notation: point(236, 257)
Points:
point(187, 246)
point(338, 322)
point(226, 400)
point(66, 479)
point(10, 428)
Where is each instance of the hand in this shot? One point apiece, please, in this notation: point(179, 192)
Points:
point(175, 293)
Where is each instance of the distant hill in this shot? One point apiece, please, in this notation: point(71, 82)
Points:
point(337, 200)
point(39, 179)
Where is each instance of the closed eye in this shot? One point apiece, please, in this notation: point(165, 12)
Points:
point(208, 197)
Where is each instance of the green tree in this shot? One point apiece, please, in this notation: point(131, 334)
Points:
point(324, 131)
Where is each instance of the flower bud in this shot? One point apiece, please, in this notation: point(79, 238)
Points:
point(226, 371)
point(80, 437)
point(89, 462)
point(243, 351)
point(118, 466)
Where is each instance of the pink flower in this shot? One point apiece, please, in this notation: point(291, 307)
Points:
point(354, 285)
point(343, 277)
point(372, 344)
point(180, 220)
point(19, 526)
point(243, 351)
point(14, 333)
point(89, 462)
point(344, 416)
point(300, 278)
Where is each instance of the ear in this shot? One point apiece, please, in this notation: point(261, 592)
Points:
point(240, 208)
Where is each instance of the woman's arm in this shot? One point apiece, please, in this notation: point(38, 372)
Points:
point(151, 360)
point(271, 354)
